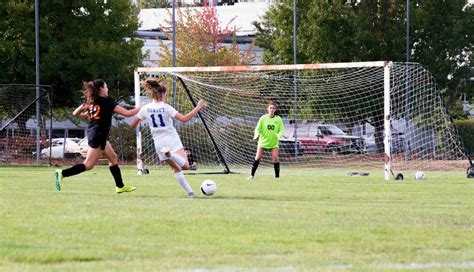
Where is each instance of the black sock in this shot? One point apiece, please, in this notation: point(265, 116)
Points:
point(276, 165)
point(76, 169)
point(254, 167)
point(115, 170)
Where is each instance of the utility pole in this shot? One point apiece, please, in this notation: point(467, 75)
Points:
point(37, 82)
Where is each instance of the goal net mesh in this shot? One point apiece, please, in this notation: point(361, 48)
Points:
point(334, 119)
point(19, 123)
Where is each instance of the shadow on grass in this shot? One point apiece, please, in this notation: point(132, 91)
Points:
point(55, 258)
point(137, 195)
point(226, 198)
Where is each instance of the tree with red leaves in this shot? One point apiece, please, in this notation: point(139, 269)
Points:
point(200, 40)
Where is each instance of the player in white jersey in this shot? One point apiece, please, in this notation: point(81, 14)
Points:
point(159, 116)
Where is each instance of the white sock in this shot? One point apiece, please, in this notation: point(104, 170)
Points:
point(178, 159)
point(182, 181)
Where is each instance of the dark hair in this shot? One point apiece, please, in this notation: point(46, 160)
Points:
point(91, 90)
point(277, 112)
point(154, 88)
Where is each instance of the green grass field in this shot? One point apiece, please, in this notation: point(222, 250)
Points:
point(300, 223)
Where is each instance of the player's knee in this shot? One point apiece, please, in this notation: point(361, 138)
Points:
point(89, 166)
point(185, 166)
point(112, 163)
point(113, 159)
point(175, 168)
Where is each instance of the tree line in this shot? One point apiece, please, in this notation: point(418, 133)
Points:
point(86, 39)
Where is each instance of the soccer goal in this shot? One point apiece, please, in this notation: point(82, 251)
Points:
point(25, 120)
point(362, 117)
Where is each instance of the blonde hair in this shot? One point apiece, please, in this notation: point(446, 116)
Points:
point(153, 88)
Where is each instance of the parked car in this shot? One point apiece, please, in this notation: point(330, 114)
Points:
point(287, 148)
point(205, 2)
point(82, 148)
point(225, 2)
point(397, 146)
point(62, 148)
point(398, 142)
point(325, 138)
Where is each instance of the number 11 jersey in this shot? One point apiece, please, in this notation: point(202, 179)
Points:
point(159, 117)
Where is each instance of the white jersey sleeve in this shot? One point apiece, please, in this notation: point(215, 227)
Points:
point(170, 110)
point(142, 113)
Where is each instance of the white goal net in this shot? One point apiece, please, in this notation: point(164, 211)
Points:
point(351, 117)
point(25, 119)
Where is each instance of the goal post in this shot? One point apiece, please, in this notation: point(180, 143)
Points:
point(386, 122)
point(361, 117)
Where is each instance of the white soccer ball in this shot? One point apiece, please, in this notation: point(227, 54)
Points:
point(208, 187)
point(420, 175)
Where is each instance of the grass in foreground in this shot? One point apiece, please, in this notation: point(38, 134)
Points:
point(318, 222)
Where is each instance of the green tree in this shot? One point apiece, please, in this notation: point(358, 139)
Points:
point(154, 4)
point(443, 41)
point(333, 31)
point(17, 42)
point(80, 40)
point(337, 31)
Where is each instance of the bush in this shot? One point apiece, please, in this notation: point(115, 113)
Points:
point(466, 132)
point(123, 139)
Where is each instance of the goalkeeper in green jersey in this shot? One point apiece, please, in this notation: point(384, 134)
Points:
point(269, 130)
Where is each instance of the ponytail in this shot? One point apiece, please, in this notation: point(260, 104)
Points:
point(154, 88)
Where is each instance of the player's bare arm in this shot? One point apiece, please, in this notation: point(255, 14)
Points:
point(135, 123)
point(185, 118)
point(79, 112)
point(127, 113)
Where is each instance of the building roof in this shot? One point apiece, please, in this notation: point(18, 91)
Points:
point(244, 13)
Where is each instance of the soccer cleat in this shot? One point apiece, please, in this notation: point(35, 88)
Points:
point(166, 150)
point(192, 195)
point(250, 177)
point(277, 178)
point(59, 177)
point(125, 189)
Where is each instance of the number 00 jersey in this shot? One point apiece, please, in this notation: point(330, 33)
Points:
point(159, 117)
point(270, 130)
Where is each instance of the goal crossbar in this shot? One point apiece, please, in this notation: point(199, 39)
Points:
point(248, 68)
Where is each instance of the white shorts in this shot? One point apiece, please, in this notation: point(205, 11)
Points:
point(173, 143)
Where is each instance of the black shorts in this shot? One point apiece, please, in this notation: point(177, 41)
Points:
point(97, 138)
